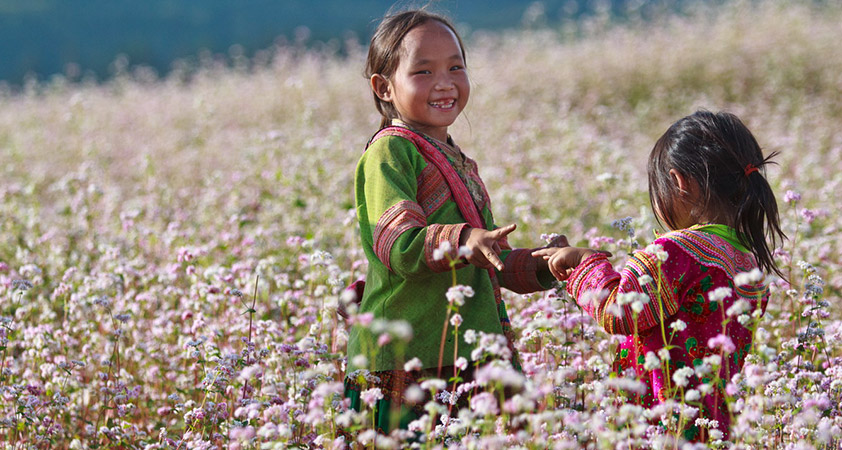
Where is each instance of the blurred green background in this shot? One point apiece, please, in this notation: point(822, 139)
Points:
point(84, 39)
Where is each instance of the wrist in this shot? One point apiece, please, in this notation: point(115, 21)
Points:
point(464, 235)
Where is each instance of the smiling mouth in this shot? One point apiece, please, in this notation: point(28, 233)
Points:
point(444, 104)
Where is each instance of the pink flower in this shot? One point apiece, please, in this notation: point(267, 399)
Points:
point(791, 196)
point(723, 342)
point(485, 403)
point(370, 396)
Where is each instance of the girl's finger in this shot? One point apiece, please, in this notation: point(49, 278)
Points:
point(502, 232)
point(545, 252)
point(493, 259)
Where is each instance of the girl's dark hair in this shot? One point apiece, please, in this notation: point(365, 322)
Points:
point(384, 50)
point(719, 153)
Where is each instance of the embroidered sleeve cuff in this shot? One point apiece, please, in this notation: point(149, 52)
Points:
point(396, 220)
point(521, 272)
point(436, 235)
point(590, 278)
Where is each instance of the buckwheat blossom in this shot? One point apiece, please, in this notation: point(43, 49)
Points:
point(678, 325)
point(651, 361)
point(456, 294)
point(371, 396)
point(456, 320)
point(748, 278)
point(461, 363)
point(414, 394)
point(469, 336)
point(719, 294)
point(485, 403)
point(722, 341)
point(791, 197)
point(739, 307)
point(498, 371)
point(658, 251)
point(412, 365)
point(681, 376)
point(401, 329)
point(443, 249)
point(433, 384)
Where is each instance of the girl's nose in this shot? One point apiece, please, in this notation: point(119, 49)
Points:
point(445, 83)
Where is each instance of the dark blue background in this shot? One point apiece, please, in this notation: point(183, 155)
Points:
point(39, 38)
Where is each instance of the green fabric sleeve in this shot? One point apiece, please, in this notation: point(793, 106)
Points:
point(390, 218)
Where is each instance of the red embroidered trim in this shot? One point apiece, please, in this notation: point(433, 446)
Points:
point(436, 234)
point(433, 191)
point(397, 219)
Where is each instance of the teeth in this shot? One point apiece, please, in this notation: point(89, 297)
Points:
point(444, 104)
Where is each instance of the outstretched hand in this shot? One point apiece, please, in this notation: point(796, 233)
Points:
point(485, 245)
point(563, 260)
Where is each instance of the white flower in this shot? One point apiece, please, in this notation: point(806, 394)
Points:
point(464, 252)
point(370, 396)
point(658, 251)
point(692, 395)
point(739, 307)
point(414, 394)
point(461, 363)
point(682, 375)
point(401, 329)
point(637, 306)
point(359, 361)
point(469, 336)
point(456, 294)
point(713, 360)
point(643, 280)
point(652, 362)
point(748, 278)
point(444, 249)
point(678, 325)
point(413, 365)
point(664, 354)
point(433, 384)
point(456, 320)
point(719, 294)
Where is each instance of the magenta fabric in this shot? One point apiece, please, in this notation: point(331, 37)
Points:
point(696, 264)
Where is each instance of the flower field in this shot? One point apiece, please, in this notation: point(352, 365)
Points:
point(173, 249)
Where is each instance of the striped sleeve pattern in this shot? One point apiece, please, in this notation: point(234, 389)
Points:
point(608, 295)
point(399, 218)
point(436, 234)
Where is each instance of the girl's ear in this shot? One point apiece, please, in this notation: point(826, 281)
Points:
point(682, 182)
point(381, 87)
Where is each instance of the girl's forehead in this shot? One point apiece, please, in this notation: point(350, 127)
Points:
point(430, 39)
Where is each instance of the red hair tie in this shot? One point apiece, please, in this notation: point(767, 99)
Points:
point(750, 168)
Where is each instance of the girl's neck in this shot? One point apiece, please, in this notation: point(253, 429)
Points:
point(442, 137)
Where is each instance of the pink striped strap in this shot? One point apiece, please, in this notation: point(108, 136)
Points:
point(433, 156)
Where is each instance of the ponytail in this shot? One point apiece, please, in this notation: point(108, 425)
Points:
point(719, 153)
point(757, 221)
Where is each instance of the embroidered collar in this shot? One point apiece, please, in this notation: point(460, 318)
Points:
point(725, 232)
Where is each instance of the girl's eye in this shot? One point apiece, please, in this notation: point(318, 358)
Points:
point(456, 68)
point(423, 72)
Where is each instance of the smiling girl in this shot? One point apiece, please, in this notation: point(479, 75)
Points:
point(415, 191)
